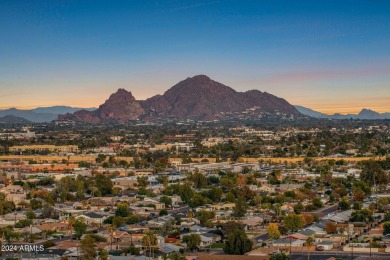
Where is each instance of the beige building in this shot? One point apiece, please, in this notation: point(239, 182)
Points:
point(51, 148)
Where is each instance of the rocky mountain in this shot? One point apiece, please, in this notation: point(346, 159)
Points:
point(120, 107)
point(40, 114)
point(196, 98)
point(200, 98)
point(13, 120)
point(366, 114)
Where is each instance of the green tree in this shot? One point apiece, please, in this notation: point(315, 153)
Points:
point(185, 192)
point(5, 205)
point(386, 228)
point(294, 222)
point(215, 194)
point(166, 228)
point(80, 189)
point(237, 243)
point(35, 204)
point(280, 256)
point(240, 208)
point(192, 241)
point(298, 208)
point(142, 182)
point(118, 221)
point(373, 173)
point(87, 248)
point(317, 203)
point(386, 217)
point(103, 254)
point(23, 223)
point(199, 180)
point(197, 200)
point(167, 201)
point(230, 197)
point(163, 212)
point(122, 210)
point(363, 215)
point(103, 184)
point(80, 227)
point(344, 204)
point(30, 214)
point(204, 216)
point(290, 194)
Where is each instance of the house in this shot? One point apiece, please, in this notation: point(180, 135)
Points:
point(252, 222)
point(287, 208)
point(341, 217)
point(298, 236)
point(169, 248)
point(14, 216)
point(198, 229)
point(56, 227)
point(267, 188)
point(77, 205)
point(327, 245)
point(318, 231)
point(12, 189)
point(92, 218)
point(286, 242)
point(208, 239)
point(158, 204)
point(16, 197)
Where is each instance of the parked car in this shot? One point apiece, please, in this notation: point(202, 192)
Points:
point(320, 248)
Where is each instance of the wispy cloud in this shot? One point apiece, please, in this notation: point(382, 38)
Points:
point(193, 6)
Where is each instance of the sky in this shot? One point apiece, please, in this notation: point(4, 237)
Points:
point(331, 56)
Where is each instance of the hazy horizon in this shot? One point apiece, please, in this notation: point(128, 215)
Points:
point(329, 56)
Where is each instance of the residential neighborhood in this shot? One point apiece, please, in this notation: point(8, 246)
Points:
point(265, 194)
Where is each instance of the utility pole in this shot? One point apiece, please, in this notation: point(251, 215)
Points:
point(370, 249)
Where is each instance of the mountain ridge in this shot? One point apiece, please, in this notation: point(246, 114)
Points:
point(40, 114)
point(10, 119)
point(365, 114)
point(198, 98)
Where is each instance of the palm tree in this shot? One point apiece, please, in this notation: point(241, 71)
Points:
point(153, 243)
point(71, 222)
point(309, 243)
point(149, 240)
point(111, 229)
point(146, 242)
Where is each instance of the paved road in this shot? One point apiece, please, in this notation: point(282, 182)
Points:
point(337, 254)
point(261, 236)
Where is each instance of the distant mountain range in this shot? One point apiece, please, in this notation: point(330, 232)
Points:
point(198, 98)
point(40, 114)
point(13, 120)
point(363, 114)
